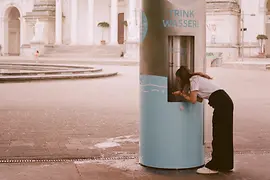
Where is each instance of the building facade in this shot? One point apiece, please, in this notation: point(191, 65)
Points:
point(75, 22)
point(66, 22)
point(226, 19)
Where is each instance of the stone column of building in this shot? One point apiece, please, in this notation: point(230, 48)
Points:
point(114, 22)
point(91, 22)
point(267, 33)
point(132, 36)
point(3, 34)
point(262, 17)
point(132, 45)
point(74, 21)
point(58, 22)
point(23, 35)
point(22, 30)
point(265, 24)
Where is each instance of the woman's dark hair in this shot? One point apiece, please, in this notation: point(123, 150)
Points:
point(184, 74)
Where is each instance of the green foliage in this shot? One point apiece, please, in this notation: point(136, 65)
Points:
point(125, 23)
point(262, 37)
point(103, 24)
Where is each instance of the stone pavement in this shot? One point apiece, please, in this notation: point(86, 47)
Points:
point(248, 167)
point(99, 118)
point(69, 119)
point(66, 119)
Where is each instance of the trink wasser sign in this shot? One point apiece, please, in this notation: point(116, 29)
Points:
point(180, 18)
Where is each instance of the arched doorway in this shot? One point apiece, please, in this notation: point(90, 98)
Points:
point(12, 32)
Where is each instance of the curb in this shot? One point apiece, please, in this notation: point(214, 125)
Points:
point(55, 77)
point(68, 61)
point(46, 65)
point(49, 72)
point(74, 70)
point(261, 67)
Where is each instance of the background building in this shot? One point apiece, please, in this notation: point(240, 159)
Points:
point(225, 18)
point(68, 25)
point(66, 22)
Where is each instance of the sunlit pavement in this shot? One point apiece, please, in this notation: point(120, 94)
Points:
point(83, 118)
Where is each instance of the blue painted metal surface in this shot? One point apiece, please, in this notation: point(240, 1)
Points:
point(170, 137)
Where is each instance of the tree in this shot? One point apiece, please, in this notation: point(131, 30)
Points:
point(261, 38)
point(103, 25)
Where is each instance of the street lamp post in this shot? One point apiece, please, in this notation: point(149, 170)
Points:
point(243, 29)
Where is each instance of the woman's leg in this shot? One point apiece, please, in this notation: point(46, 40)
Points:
point(213, 164)
point(226, 133)
point(222, 144)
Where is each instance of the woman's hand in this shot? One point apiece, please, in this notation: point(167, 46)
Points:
point(186, 96)
point(177, 93)
point(199, 99)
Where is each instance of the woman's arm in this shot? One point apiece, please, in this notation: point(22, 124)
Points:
point(192, 97)
point(202, 75)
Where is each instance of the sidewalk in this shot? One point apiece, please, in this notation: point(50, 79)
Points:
point(72, 60)
point(249, 64)
point(247, 167)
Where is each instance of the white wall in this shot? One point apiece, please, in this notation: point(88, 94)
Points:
point(66, 8)
point(226, 34)
point(254, 24)
point(226, 28)
point(102, 13)
point(122, 7)
point(83, 22)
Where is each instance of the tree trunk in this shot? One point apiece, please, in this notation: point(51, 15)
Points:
point(126, 34)
point(261, 44)
point(102, 34)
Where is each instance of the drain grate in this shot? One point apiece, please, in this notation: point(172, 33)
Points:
point(252, 152)
point(65, 160)
point(126, 157)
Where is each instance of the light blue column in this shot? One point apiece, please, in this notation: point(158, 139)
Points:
point(171, 133)
point(171, 138)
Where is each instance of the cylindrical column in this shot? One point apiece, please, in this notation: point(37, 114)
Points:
point(153, 57)
point(91, 21)
point(242, 36)
point(5, 45)
point(267, 31)
point(132, 36)
point(114, 22)
point(58, 22)
point(262, 17)
point(22, 30)
point(74, 21)
point(171, 133)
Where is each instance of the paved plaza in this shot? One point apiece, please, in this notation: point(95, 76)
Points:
point(65, 119)
point(100, 118)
